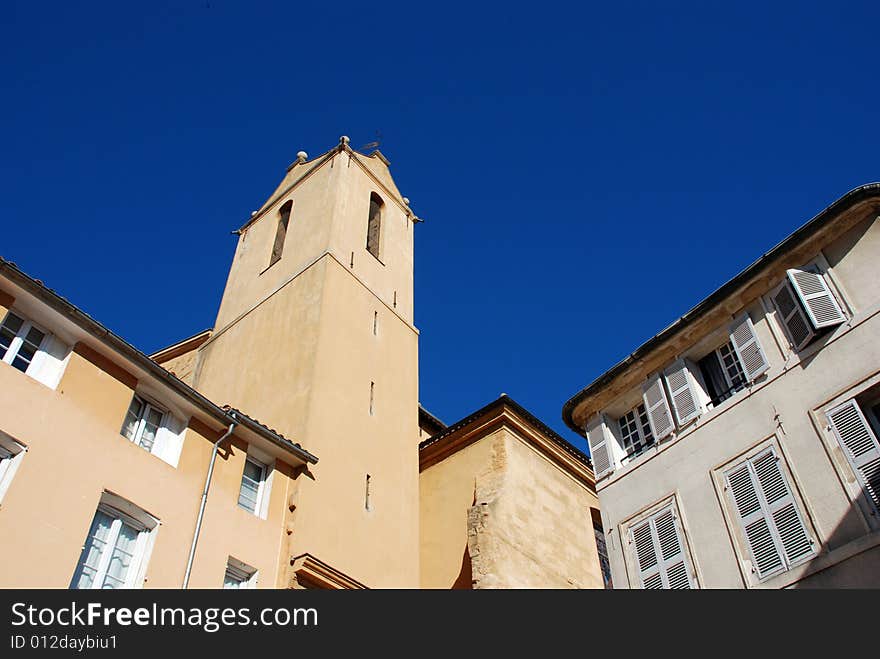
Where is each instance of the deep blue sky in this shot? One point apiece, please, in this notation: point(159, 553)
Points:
point(587, 173)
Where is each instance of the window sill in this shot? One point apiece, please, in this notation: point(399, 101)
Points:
point(381, 262)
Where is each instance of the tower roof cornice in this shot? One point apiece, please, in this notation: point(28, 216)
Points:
point(301, 169)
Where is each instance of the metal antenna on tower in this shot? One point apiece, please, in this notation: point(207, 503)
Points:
point(374, 144)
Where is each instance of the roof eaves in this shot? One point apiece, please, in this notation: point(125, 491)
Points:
point(118, 344)
point(823, 218)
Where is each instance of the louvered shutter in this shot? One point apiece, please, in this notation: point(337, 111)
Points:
point(673, 564)
point(600, 451)
point(681, 391)
point(790, 527)
point(748, 348)
point(860, 445)
point(659, 552)
point(820, 304)
point(659, 415)
point(799, 329)
point(774, 530)
point(646, 556)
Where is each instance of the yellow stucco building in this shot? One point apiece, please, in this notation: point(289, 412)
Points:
point(285, 447)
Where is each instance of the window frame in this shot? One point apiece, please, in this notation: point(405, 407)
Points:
point(669, 503)
point(740, 544)
point(141, 423)
point(629, 454)
point(258, 509)
point(18, 341)
point(142, 522)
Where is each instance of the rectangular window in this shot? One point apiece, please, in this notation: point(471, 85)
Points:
point(114, 553)
point(660, 553)
point(31, 350)
point(239, 575)
point(253, 481)
point(635, 431)
point(722, 373)
point(142, 423)
point(769, 519)
point(281, 232)
point(604, 563)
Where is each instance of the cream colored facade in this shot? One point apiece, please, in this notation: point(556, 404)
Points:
point(105, 452)
point(506, 503)
point(805, 512)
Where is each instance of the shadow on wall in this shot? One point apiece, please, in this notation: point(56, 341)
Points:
point(850, 557)
point(465, 579)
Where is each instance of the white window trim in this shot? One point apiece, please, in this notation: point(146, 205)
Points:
point(631, 561)
point(168, 443)
point(626, 459)
point(731, 517)
point(266, 464)
point(142, 422)
point(147, 525)
point(42, 366)
point(11, 455)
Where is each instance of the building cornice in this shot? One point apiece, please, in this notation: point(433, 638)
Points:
point(504, 412)
point(750, 283)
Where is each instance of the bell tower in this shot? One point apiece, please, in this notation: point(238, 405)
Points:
point(315, 338)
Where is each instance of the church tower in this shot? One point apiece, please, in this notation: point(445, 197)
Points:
point(315, 338)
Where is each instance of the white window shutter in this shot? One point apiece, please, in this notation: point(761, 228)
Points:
point(660, 552)
point(600, 451)
point(659, 415)
point(860, 444)
point(792, 316)
point(790, 527)
point(820, 304)
point(169, 439)
point(765, 554)
point(646, 555)
point(681, 391)
point(748, 348)
point(775, 532)
point(49, 361)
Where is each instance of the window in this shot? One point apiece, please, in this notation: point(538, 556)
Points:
point(858, 439)
point(253, 480)
point(769, 519)
point(11, 455)
point(673, 397)
point(604, 563)
point(154, 429)
point(659, 552)
point(116, 548)
point(806, 306)
point(281, 232)
point(142, 423)
point(722, 373)
point(239, 575)
point(374, 224)
point(31, 350)
point(635, 431)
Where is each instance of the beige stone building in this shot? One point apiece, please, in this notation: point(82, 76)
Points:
point(738, 447)
point(285, 447)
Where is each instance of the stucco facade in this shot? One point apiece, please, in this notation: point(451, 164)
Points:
point(807, 515)
point(506, 503)
point(198, 466)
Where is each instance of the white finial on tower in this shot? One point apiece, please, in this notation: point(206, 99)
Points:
point(343, 140)
point(406, 200)
point(302, 156)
